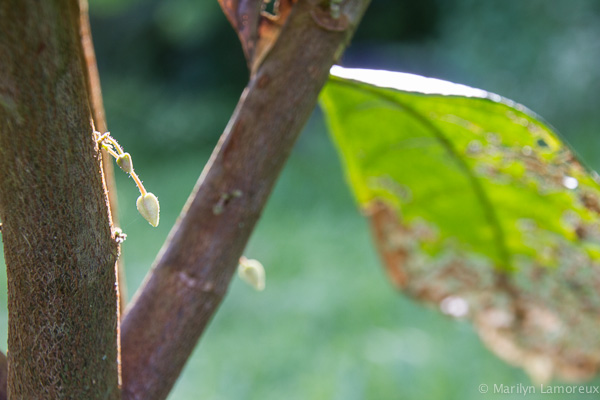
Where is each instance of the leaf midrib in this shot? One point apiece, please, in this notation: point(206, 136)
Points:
point(478, 189)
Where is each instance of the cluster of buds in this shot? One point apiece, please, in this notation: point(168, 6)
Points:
point(251, 271)
point(147, 203)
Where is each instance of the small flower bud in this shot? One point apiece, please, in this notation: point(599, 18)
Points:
point(148, 206)
point(252, 272)
point(119, 235)
point(124, 161)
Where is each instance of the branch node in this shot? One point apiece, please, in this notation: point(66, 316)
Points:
point(324, 18)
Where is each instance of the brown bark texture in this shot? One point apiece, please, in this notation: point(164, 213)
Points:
point(59, 251)
point(193, 270)
point(3, 377)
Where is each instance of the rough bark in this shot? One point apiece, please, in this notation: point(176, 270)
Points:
point(3, 377)
point(193, 270)
point(59, 252)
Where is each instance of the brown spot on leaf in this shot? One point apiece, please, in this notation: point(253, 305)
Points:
point(590, 201)
point(580, 232)
point(383, 223)
point(543, 320)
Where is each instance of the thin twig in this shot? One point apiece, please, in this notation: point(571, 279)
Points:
point(97, 106)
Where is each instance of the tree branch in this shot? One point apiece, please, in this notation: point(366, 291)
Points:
point(60, 256)
point(194, 268)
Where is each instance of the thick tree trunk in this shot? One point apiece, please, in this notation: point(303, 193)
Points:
point(59, 251)
point(3, 377)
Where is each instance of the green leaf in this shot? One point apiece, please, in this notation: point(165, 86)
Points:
point(476, 206)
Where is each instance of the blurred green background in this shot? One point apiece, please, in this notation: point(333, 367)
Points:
point(328, 325)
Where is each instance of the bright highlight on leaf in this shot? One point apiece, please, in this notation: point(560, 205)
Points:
point(149, 208)
point(479, 208)
point(409, 82)
point(252, 272)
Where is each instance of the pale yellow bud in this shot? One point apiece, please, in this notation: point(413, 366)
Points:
point(124, 161)
point(148, 206)
point(252, 272)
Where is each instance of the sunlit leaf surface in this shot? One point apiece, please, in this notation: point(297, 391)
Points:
point(478, 207)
